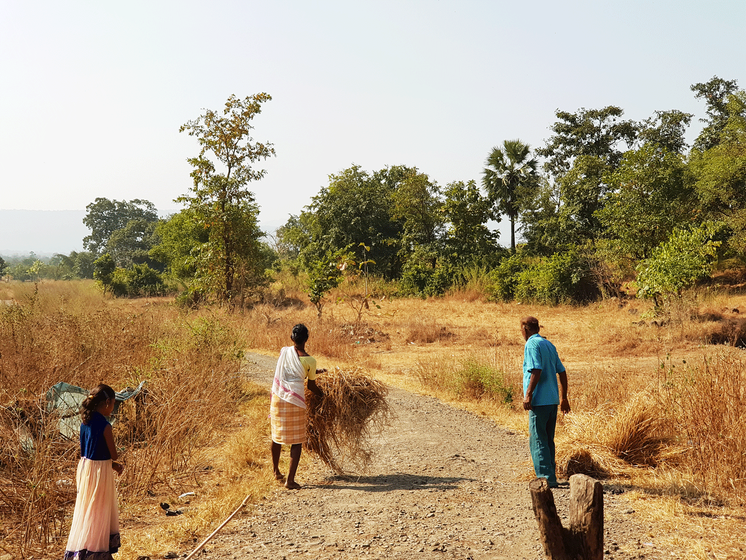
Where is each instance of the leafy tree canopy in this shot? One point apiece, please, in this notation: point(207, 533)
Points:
point(652, 193)
point(104, 217)
point(180, 238)
point(715, 93)
point(466, 211)
point(589, 132)
point(417, 205)
point(666, 130)
point(721, 174)
point(356, 207)
point(687, 256)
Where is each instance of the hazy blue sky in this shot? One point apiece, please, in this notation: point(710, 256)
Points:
point(93, 93)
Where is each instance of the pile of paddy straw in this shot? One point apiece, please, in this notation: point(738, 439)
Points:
point(353, 408)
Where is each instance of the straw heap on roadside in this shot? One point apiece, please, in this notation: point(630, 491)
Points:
point(354, 407)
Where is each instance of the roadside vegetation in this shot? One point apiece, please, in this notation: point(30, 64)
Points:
point(657, 408)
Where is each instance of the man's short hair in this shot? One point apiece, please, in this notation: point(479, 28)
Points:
point(531, 324)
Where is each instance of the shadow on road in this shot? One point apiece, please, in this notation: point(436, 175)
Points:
point(388, 482)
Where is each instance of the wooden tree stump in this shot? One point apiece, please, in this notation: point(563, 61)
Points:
point(550, 526)
point(587, 516)
point(584, 540)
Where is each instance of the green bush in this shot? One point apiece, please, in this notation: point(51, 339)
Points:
point(480, 381)
point(688, 255)
point(506, 277)
point(138, 281)
point(561, 278)
point(425, 275)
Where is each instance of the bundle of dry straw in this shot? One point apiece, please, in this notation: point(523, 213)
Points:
point(353, 408)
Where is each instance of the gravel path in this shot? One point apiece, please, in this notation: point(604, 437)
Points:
point(442, 484)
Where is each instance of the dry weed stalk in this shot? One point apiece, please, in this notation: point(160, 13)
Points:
point(353, 408)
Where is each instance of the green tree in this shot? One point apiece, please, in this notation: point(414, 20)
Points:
point(356, 207)
point(104, 217)
point(466, 212)
point(324, 275)
point(720, 174)
point(104, 268)
point(3, 266)
point(417, 205)
point(583, 149)
point(596, 133)
point(509, 173)
point(716, 93)
point(651, 194)
point(666, 131)
point(294, 236)
point(180, 238)
point(227, 263)
point(132, 243)
point(83, 266)
point(687, 256)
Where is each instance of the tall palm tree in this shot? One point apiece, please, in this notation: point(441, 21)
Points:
point(509, 173)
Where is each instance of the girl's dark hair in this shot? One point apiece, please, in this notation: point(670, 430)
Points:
point(299, 334)
point(97, 396)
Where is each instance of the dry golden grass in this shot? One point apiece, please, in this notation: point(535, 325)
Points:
point(340, 424)
point(673, 437)
point(235, 466)
point(189, 360)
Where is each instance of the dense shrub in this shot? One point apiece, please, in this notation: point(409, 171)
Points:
point(422, 278)
point(688, 255)
point(481, 381)
point(505, 278)
point(138, 281)
point(561, 278)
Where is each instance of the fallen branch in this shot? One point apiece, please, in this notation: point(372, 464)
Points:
point(215, 532)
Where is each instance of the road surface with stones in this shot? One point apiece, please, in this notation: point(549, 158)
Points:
point(443, 483)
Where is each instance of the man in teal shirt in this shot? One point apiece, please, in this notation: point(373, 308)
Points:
point(541, 366)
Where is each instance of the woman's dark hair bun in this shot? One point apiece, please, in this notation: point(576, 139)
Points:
point(299, 334)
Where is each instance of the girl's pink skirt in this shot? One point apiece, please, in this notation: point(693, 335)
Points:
point(94, 534)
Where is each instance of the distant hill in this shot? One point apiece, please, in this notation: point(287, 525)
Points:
point(44, 232)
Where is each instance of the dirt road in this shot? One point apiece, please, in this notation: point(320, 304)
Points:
point(443, 484)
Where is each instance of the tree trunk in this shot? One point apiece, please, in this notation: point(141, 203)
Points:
point(587, 516)
point(512, 234)
point(550, 526)
point(584, 540)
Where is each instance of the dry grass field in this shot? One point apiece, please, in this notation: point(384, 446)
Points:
point(659, 405)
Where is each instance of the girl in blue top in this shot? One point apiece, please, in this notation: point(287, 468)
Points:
point(94, 532)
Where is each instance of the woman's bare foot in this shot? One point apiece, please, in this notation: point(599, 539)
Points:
point(292, 485)
point(279, 477)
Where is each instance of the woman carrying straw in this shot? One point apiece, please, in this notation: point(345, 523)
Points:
point(288, 405)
